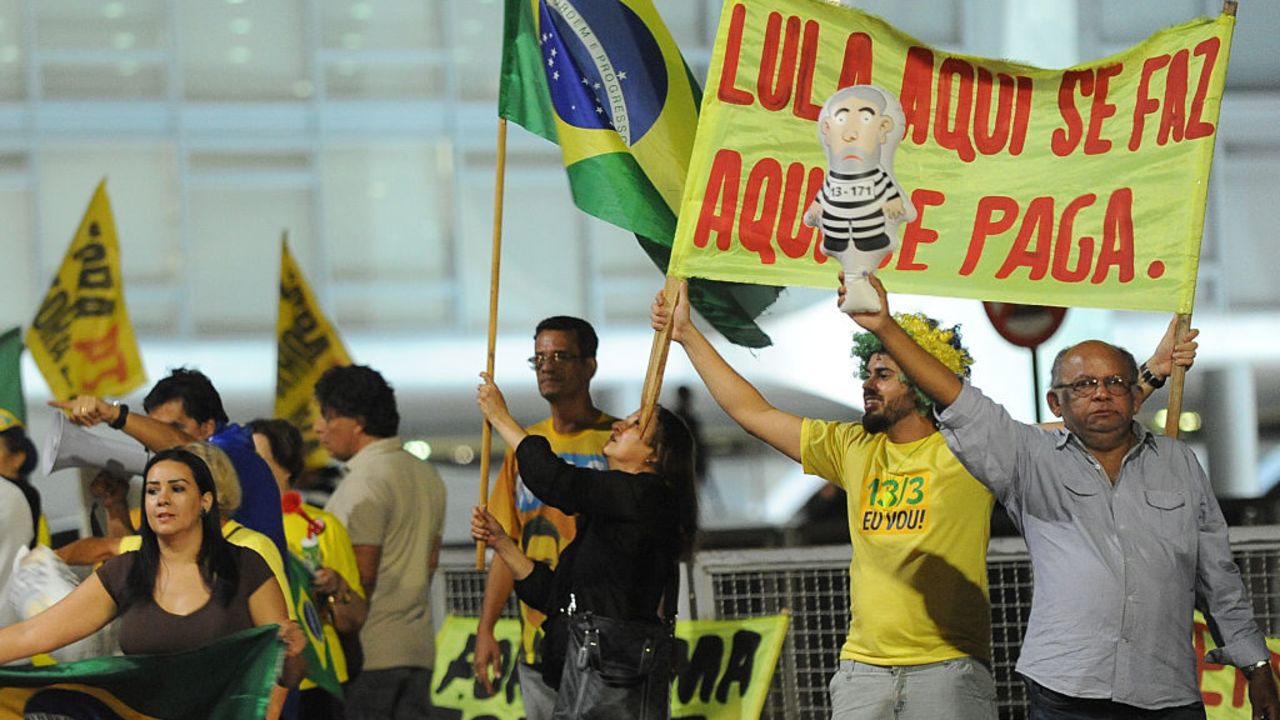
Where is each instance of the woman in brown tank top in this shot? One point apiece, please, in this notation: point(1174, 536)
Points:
point(185, 587)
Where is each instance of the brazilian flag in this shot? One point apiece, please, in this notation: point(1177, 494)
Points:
point(604, 80)
point(228, 680)
point(320, 668)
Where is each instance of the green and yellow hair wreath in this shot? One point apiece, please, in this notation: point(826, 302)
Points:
point(942, 343)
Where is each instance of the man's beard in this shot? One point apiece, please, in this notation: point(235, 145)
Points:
point(875, 422)
point(884, 418)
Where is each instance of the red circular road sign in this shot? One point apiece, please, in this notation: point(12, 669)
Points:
point(1024, 325)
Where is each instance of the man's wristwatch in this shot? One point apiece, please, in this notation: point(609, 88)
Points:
point(1149, 377)
point(122, 415)
point(1248, 670)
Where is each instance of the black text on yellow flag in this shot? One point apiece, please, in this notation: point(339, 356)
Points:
point(81, 338)
point(306, 346)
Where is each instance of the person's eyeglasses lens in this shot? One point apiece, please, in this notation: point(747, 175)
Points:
point(1085, 387)
point(557, 357)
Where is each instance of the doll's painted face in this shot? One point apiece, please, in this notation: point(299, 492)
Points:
point(853, 133)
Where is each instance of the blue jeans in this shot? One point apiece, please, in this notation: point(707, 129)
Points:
point(400, 693)
point(961, 688)
point(1047, 704)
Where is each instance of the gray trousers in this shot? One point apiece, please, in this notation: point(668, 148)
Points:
point(962, 689)
point(539, 699)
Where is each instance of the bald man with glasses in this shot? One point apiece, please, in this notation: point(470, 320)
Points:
point(564, 360)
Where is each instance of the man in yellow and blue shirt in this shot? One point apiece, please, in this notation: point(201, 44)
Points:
point(565, 361)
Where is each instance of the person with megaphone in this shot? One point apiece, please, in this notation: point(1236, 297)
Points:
point(185, 407)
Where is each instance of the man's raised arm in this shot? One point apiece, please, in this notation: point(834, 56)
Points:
point(90, 410)
point(930, 375)
point(737, 397)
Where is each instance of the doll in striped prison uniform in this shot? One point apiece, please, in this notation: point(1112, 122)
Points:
point(860, 204)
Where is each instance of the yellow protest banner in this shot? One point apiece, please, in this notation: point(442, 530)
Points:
point(1224, 689)
point(723, 668)
point(306, 346)
point(1076, 187)
point(81, 338)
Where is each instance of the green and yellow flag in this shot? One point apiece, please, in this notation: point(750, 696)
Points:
point(81, 337)
point(306, 346)
point(228, 680)
point(11, 397)
point(1076, 187)
point(605, 81)
point(320, 667)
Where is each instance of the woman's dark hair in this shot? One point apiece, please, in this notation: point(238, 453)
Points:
point(676, 464)
point(285, 442)
point(16, 441)
point(216, 559)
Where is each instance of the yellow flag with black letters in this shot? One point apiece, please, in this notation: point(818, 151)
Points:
point(306, 346)
point(81, 338)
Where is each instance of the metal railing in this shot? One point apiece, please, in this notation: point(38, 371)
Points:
point(813, 583)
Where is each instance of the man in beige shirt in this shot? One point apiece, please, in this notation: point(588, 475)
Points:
point(393, 506)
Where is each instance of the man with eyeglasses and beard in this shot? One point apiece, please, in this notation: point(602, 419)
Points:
point(1125, 535)
point(564, 359)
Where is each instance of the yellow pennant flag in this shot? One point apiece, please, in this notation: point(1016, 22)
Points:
point(307, 345)
point(1083, 186)
point(81, 338)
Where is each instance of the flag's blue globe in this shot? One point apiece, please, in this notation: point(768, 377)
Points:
point(604, 68)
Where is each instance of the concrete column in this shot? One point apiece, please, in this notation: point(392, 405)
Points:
point(1230, 430)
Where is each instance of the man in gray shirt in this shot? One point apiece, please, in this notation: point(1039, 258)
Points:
point(1124, 532)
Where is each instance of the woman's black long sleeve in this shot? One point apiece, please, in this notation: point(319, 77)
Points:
point(627, 548)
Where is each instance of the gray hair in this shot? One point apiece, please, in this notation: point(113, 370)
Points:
point(885, 104)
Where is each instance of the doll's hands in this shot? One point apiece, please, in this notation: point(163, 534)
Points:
point(894, 209)
point(813, 215)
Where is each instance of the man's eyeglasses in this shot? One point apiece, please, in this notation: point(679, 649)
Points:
point(1087, 386)
point(557, 357)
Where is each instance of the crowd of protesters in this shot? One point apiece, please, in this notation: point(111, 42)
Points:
point(591, 514)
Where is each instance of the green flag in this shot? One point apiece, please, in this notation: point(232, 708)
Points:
point(228, 680)
point(11, 397)
point(320, 668)
point(605, 81)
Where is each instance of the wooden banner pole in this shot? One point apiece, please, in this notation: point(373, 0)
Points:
point(657, 359)
point(1176, 379)
point(495, 265)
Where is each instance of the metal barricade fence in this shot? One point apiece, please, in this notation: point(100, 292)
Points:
point(813, 584)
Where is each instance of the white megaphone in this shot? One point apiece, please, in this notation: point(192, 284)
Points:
point(69, 446)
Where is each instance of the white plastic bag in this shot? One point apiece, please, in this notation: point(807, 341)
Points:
point(40, 579)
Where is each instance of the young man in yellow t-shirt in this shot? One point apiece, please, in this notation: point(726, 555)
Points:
point(919, 640)
point(565, 361)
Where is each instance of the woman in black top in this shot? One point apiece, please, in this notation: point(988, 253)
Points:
point(636, 521)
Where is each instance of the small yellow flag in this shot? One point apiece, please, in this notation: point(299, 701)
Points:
point(307, 345)
point(81, 338)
